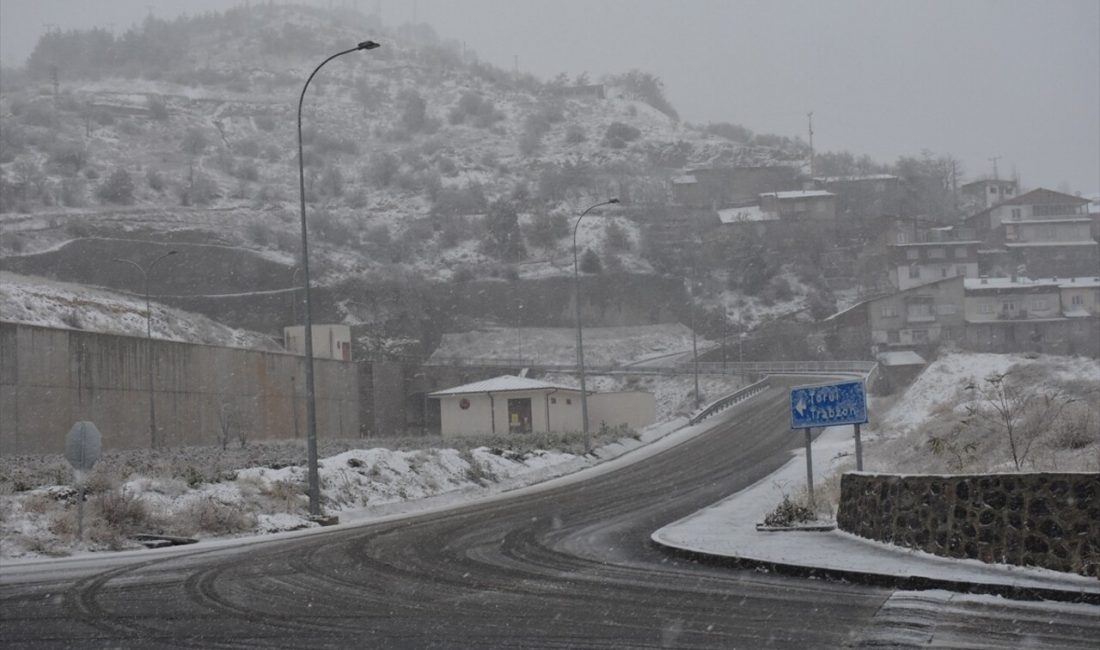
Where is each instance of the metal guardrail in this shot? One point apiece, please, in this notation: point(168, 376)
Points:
point(723, 403)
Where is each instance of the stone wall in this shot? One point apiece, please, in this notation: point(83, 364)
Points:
point(1044, 520)
point(51, 378)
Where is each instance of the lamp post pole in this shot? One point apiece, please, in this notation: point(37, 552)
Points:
point(580, 341)
point(311, 404)
point(145, 273)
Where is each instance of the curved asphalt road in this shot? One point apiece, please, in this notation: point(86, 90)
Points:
point(570, 567)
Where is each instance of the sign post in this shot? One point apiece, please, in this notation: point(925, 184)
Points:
point(828, 405)
point(82, 446)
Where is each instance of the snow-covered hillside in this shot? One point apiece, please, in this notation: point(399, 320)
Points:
point(948, 419)
point(48, 303)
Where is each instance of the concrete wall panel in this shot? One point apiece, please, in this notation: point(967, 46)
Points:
point(52, 378)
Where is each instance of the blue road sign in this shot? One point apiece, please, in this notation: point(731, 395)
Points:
point(828, 405)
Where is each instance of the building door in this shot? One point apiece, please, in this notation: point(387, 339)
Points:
point(519, 415)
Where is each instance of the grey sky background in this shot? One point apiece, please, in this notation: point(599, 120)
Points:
point(1018, 79)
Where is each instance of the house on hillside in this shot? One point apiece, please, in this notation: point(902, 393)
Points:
point(916, 319)
point(519, 405)
point(721, 187)
point(1039, 233)
point(329, 341)
point(914, 264)
point(1030, 315)
point(987, 193)
point(748, 218)
point(812, 205)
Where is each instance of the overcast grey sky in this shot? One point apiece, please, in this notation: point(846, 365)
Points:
point(1019, 79)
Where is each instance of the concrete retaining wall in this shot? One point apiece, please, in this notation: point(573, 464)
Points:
point(51, 378)
point(1044, 520)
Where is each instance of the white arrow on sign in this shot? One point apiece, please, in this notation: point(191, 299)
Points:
point(801, 405)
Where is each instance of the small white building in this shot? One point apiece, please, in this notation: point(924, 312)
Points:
point(509, 404)
point(329, 341)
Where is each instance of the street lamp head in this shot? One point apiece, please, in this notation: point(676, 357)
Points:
point(367, 45)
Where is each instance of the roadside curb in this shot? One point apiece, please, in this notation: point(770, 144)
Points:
point(914, 583)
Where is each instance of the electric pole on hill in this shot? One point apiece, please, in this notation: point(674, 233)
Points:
point(810, 116)
point(994, 160)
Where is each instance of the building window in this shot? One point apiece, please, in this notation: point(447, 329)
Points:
point(1008, 190)
point(960, 270)
point(936, 253)
point(920, 336)
point(1016, 216)
point(960, 251)
point(945, 309)
point(1077, 300)
point(985, 308)
point(889, 311)
point(943, 271)
point(568, 401)
point(912, 254)
point(914, 272)
point(1008, 306)
point(893, 337)
point(553, 400)
point(992, 190)
point(1039, 304)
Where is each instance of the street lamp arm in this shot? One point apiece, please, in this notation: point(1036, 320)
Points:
point(580, 339)
point(131, 263)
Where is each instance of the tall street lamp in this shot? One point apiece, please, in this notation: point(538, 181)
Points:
point(580, 342)
point(311, 402)
point(145, 273)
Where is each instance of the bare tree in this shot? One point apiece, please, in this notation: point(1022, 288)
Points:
point(1020, 410)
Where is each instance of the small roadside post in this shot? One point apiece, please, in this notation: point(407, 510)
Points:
point(82, 446)
point(828, 405)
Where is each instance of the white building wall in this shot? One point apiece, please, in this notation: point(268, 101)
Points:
point(562, 407)
point(329, 341)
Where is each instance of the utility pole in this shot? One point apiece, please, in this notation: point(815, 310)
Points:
point(994, 160)
point(810, 116)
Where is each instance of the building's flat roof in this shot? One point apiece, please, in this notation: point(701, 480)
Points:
point(961, 242)
point(972, 284)
point(802, 194)
point(745, 214)
point(1049, 244)
point(686, 179)
point(854, 179)
point(501, 384)
point(1054, 220)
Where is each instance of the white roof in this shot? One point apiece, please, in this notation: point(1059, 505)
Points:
point(864, 177)
point(686, 179)
point(501, 384)
point(1049, 243)
point(901, 358)
point(748, 213)
point(802, 194)
point(1007, 283)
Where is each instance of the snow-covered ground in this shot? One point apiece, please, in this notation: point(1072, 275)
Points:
point(729, 528)
point(359, 485)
